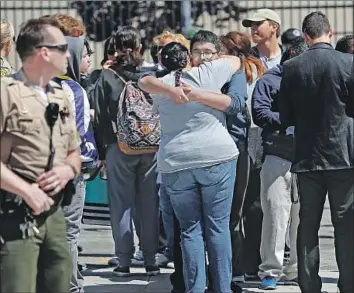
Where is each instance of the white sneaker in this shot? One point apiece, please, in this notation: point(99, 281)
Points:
point(162, 260)
point(138, 258)
point(238, 279)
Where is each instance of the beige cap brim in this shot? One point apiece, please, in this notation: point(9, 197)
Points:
point(248, 21)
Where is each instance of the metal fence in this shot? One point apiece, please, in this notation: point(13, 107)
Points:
point(152, 17)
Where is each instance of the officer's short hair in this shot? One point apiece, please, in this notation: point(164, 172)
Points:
point(32, 34)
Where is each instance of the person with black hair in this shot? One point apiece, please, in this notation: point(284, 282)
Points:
point(85, 65)
point(290, 37)
point(278, 186)
point(197, 159)
point(316, 96)
point(346, 44)
point(134, 174)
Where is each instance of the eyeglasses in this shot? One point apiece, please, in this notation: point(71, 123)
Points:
point(205, 55)
point(62, 48)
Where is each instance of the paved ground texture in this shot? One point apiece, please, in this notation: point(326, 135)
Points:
point(98, 247)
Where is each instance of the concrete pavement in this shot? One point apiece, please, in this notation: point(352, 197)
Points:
point(98, 247)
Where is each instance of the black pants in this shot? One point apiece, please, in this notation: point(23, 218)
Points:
point(313, 187)
point(176, 277)
point(237, 237)
point(252, 220)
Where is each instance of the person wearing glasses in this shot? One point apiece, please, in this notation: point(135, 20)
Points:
point(7, 38)
point(197, 158)
point(36, 122)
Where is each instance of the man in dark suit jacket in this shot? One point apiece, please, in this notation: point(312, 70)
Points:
point(316, 96)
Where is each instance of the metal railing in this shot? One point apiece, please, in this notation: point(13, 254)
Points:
point(152, 17)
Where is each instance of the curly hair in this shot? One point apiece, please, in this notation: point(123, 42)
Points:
point(71, 26)
point(7, 33)
point(164, 38)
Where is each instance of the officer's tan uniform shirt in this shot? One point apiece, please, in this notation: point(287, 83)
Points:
point(24, 131)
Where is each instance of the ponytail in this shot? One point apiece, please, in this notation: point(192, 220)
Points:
point(178, 75)
point(248, 64)
point(174, 57)
point(129, 59)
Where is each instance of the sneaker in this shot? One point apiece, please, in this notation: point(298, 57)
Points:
point(113, 262)
point(238, 279)
point(153, 270)
point(122, 271)
point(162, 260)
point(81, 267)
point(269, 283)
point(138, 258)
point(235, 288)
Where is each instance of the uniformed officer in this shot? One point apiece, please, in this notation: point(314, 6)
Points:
point(39, 159)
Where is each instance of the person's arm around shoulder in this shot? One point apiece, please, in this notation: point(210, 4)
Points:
point(155, 86)
point(286, 108)
point(230, 103)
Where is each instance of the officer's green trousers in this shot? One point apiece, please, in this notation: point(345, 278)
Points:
point(40, 263)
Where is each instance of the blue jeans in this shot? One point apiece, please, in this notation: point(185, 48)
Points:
point(201, 199)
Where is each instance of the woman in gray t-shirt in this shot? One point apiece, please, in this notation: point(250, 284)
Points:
point(197, 159)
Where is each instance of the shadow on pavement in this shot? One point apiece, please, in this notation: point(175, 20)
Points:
point(84, 254)
point(128, 288)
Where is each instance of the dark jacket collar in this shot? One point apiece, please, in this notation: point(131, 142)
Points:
point(256, 53)
point(321, 46)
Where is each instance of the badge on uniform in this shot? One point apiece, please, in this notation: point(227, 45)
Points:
point(64, 113)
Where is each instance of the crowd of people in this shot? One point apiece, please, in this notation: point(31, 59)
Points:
point(220, 152)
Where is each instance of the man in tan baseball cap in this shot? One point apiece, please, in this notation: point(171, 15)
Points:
point(262, 15)
point(265, 31)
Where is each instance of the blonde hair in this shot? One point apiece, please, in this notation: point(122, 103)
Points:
point(7, 33)
point(167, 35)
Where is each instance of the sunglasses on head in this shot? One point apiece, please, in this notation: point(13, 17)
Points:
point(62, 48)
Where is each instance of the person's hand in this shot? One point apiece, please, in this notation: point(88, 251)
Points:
point(177, 95)
point(37, 200)
point(107, 64)
point(56, 179)
point(191, 93)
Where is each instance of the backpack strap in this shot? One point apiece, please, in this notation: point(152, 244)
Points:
point(116, 73)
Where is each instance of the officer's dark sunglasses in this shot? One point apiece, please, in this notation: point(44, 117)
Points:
point(62, 48)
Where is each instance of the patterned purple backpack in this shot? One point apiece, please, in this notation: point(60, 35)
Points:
point(137, 127)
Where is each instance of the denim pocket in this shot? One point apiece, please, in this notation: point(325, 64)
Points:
point(169, 179)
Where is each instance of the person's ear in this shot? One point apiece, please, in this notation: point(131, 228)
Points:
point(139, 48)
point(331, 33)
point(44, 52)
point(307, 38)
